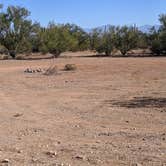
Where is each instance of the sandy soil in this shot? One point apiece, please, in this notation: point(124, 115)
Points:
point(110, 111)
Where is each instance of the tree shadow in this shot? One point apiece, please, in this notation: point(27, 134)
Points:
point(140, 102)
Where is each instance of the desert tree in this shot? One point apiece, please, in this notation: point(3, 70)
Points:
point(94, 38)
point(127, 39)
point(79, 35)
point(154, 41)
point(108, 40)
point(162, 32)
point(15, 29)
point(158, 37)
point(56, 39)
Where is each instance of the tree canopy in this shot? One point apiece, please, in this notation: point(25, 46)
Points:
point(18, 34)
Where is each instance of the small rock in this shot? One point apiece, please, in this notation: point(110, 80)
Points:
point(34, 160)
point(136, 164)
point(80, 157)
point(51, 153)
point(19, 151)
point(18, 115)
point(5, 161)
point(127, 121)
point(38, 70)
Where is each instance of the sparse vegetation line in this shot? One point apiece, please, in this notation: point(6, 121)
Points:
point(19, 35)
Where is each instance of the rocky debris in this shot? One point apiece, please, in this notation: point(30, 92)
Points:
point(19, 151)
point(52, 70)
point(93, 161)
point(5, 161)
point(62, 164)
point(77, 126)
point(34, 160)
point(29, 70)
point(136, 164)
point(51, 153)
point(18, 115)
point(80, 157)
point(58, 142)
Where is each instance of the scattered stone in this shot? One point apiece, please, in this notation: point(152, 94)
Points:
point(38, 70)
point(5, 161)
point(80, 157)
point(18, 115)
point(136, 164)
point(34, 160)
point(93, 161)
point(51, 153)
point(19, 151)
point(28, 70)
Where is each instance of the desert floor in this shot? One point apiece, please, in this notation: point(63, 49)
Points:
point(109, 112)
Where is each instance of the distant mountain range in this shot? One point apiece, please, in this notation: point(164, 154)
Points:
point(144, 28)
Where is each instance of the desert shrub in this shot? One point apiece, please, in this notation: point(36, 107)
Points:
point(70, 67)
point(51, 70)
point(3, 50)
point(19, 57)
point(156, 47)
point(5, 57)
point(127, 39)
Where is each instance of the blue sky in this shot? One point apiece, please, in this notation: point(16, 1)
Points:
point(93, 13)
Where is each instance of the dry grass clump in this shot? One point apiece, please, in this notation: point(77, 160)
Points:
point(52, 70)
point(4, 57)
point(19, 57)
point(70, 67)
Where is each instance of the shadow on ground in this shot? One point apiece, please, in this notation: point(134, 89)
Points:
point(140, 102)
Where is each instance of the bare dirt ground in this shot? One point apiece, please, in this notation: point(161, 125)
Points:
point(109, 112)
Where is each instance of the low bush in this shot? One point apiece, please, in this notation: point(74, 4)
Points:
point(70, 67)
point(19, 57)
point(52, 70)
point(5, 57)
